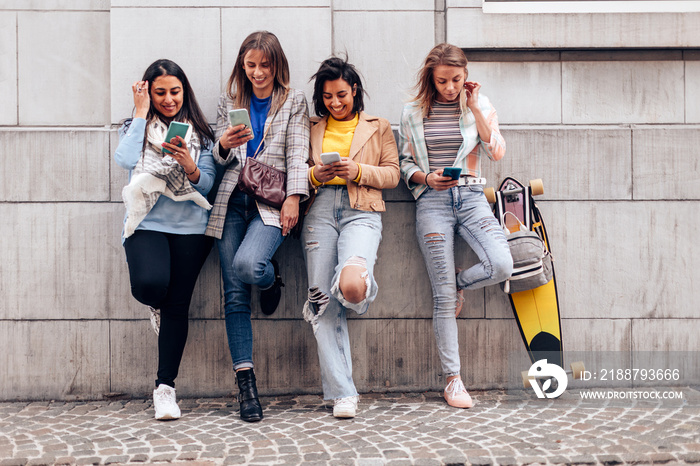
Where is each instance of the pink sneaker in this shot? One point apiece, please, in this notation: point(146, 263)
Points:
point(456, 395)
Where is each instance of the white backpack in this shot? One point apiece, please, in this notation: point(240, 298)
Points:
point(532, 262)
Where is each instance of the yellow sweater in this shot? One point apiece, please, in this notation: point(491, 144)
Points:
point(338, 138)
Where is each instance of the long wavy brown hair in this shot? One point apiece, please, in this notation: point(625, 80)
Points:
point(441, 54)
point(239, 87)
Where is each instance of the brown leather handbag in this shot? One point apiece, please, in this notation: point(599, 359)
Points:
point(263, 182)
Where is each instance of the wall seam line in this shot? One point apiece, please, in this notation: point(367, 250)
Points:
point(333, 44)
point(17, 63)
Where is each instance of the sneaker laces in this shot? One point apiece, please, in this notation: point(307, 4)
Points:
point(164, 394)
point(455, 387)
point(345, 402)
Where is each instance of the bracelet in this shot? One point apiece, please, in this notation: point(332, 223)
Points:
point(359, 174)
point(313, 179)
point(193, 171)
point(426, 179)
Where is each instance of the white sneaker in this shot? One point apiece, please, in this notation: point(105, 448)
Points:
point(164, 403)
point(345, 407)
point(155, 319)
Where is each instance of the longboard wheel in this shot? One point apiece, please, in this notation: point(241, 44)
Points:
point(490, 195)
point(536, 187)
point(577, 369)
point(526, 380)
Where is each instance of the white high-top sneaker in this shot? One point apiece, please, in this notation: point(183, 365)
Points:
point(165, 404)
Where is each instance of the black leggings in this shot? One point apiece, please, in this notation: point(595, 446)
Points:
point(163, 268)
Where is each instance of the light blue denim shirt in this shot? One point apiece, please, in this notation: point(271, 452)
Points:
point(167, 216)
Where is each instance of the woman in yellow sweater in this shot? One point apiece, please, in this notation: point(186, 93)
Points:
point(343, 227)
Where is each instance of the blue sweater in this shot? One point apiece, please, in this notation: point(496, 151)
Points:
point(167, 216)
point(259, 108)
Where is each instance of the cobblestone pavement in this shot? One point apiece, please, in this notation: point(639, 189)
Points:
point(394, 429)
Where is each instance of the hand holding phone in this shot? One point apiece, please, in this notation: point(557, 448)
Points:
point(239, 116)
point(452, 172)
point(328, 158)
point(175, 129)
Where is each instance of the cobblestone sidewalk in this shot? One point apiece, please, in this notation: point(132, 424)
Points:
point(394, 429)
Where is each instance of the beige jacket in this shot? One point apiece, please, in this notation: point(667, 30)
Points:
point(374, 147)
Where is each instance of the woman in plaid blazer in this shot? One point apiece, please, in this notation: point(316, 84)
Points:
point(248, 231)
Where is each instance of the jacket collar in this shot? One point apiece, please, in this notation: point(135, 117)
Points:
point(365, 129)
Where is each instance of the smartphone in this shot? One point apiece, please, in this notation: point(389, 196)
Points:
point(239, 116)
point(329, 157)
point(175, 129)
point(452, 172)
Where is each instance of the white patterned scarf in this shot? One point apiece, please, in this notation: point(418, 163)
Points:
point(157, 173)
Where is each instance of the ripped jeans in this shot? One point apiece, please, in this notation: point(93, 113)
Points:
point(335, 235)
point(439, 215)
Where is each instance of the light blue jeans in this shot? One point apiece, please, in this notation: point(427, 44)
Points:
point(245, 249)
point(463, 210)
point(335, 235)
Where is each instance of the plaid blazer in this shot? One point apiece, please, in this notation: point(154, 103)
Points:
point(286, 148)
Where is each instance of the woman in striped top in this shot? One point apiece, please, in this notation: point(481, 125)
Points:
point(449, 124)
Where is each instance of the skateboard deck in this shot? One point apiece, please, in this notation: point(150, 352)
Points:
point(537, 310)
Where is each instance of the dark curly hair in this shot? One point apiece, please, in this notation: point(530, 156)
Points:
point(331, 69)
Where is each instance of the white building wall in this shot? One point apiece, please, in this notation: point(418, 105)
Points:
point(611, 129)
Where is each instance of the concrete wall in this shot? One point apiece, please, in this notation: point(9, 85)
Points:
point(613, 133)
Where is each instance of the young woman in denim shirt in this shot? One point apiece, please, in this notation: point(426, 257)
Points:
point(343, 227)
point(249, 231)
point(167, 212)
point(449, 124)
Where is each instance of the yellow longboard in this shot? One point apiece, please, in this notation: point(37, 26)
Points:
point(536, 310)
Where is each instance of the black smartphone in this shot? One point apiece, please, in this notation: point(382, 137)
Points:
point(452, 172)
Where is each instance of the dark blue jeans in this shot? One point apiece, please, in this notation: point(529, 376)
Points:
point(245, 249)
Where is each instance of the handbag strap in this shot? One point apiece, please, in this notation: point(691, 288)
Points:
point(257, 151)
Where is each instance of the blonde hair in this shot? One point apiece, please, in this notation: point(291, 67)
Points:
point(426, 93)
point(239, 87)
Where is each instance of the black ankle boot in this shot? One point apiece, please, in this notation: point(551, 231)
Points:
point(270, 298)
point(251, 410)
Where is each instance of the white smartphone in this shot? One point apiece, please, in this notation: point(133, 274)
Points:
point(329, 157)
point(239, 116)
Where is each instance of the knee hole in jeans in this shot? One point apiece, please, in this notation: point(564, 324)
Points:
point(354, 288)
